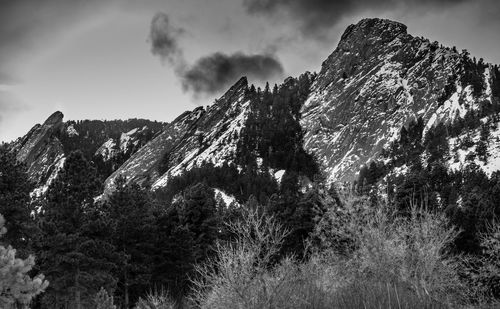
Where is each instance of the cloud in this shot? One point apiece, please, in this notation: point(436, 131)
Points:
point(213, 73)
point(27, 25)
point(216, 72)
point(163, 37)
point(315, 17)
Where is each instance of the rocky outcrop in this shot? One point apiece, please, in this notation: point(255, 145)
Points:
point(195, 137)
point(377, 80)
point(38, 138)
point(42, 151)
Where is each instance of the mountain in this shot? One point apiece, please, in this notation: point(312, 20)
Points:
point(378, 80)
point(377, 85)
point(201, 135)
point(107, 143)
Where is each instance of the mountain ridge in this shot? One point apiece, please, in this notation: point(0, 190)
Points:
point(378, 80)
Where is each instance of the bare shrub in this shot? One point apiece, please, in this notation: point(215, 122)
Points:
point(238, 275)
point(156, 300)
point(385, 249)
point(382, 261)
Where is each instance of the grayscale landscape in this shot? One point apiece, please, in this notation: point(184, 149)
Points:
point(249, 154)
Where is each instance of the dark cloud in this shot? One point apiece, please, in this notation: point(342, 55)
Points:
point(163, 37)
point(315, 17)
point(214, 73)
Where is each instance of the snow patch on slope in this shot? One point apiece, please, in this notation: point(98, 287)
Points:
point(72, 131)
point(107, 150)
point(459, 155)
point(279, 175)
point(228, 199)
point(221, 139)
point(39, 191)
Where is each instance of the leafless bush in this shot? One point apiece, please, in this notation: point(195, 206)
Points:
point(389, 250)
point(156, 300)
point(385, 261)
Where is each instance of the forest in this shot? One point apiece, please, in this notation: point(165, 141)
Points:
point(425, 238)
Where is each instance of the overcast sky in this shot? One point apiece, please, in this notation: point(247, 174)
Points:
point(111, 59)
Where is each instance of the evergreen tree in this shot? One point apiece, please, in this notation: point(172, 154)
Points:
point(415, 192)
point(103, 300)
point(485, 132)
point(436, 143)
point(198, 215)
point(16, 286)
point(482, 151)
point(74, 249)
point(15, 202)
point(174, 258)
point(475, 209)
point(130, 212)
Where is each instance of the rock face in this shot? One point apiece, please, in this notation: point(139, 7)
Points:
point(45, 147)
point(41, 150)
point(201, 135)
point(377, 80)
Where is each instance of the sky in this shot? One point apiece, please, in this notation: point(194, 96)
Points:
point(154, 59)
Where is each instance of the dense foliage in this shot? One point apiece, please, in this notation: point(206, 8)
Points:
point(88, 135)
point(272, 131)
point(266, 230)
point(15, 203)
point(93, 133)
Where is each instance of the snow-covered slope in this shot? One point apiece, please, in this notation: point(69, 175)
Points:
point(45, 147)
point(376, 81)
point(42, 152)
point(203, 135)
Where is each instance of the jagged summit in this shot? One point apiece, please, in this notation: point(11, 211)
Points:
point(200, 135)
point(56, 117)
point(241, 83)
point(375, 27)
point(377, 80)
point(235, 90)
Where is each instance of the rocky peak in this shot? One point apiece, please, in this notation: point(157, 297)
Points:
point(54, 119)
point(238, 89)
point(377, 80)
point(38, 137)
point(42, 151)
point(374, 27)
point(201, 135)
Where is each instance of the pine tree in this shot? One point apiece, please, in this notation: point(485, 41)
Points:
point(482, 151)
point(173, 254)
point(15, 202)
point(103, 300)
point(198, 215)
point(485, 132)
point(16, 286)
point(129, 210)
point(74, 249)
point(436, 143)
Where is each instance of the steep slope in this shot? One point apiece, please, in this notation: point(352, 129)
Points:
point(196, 137)
point(377, 80)
point(42, 151)
point(45, 147)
